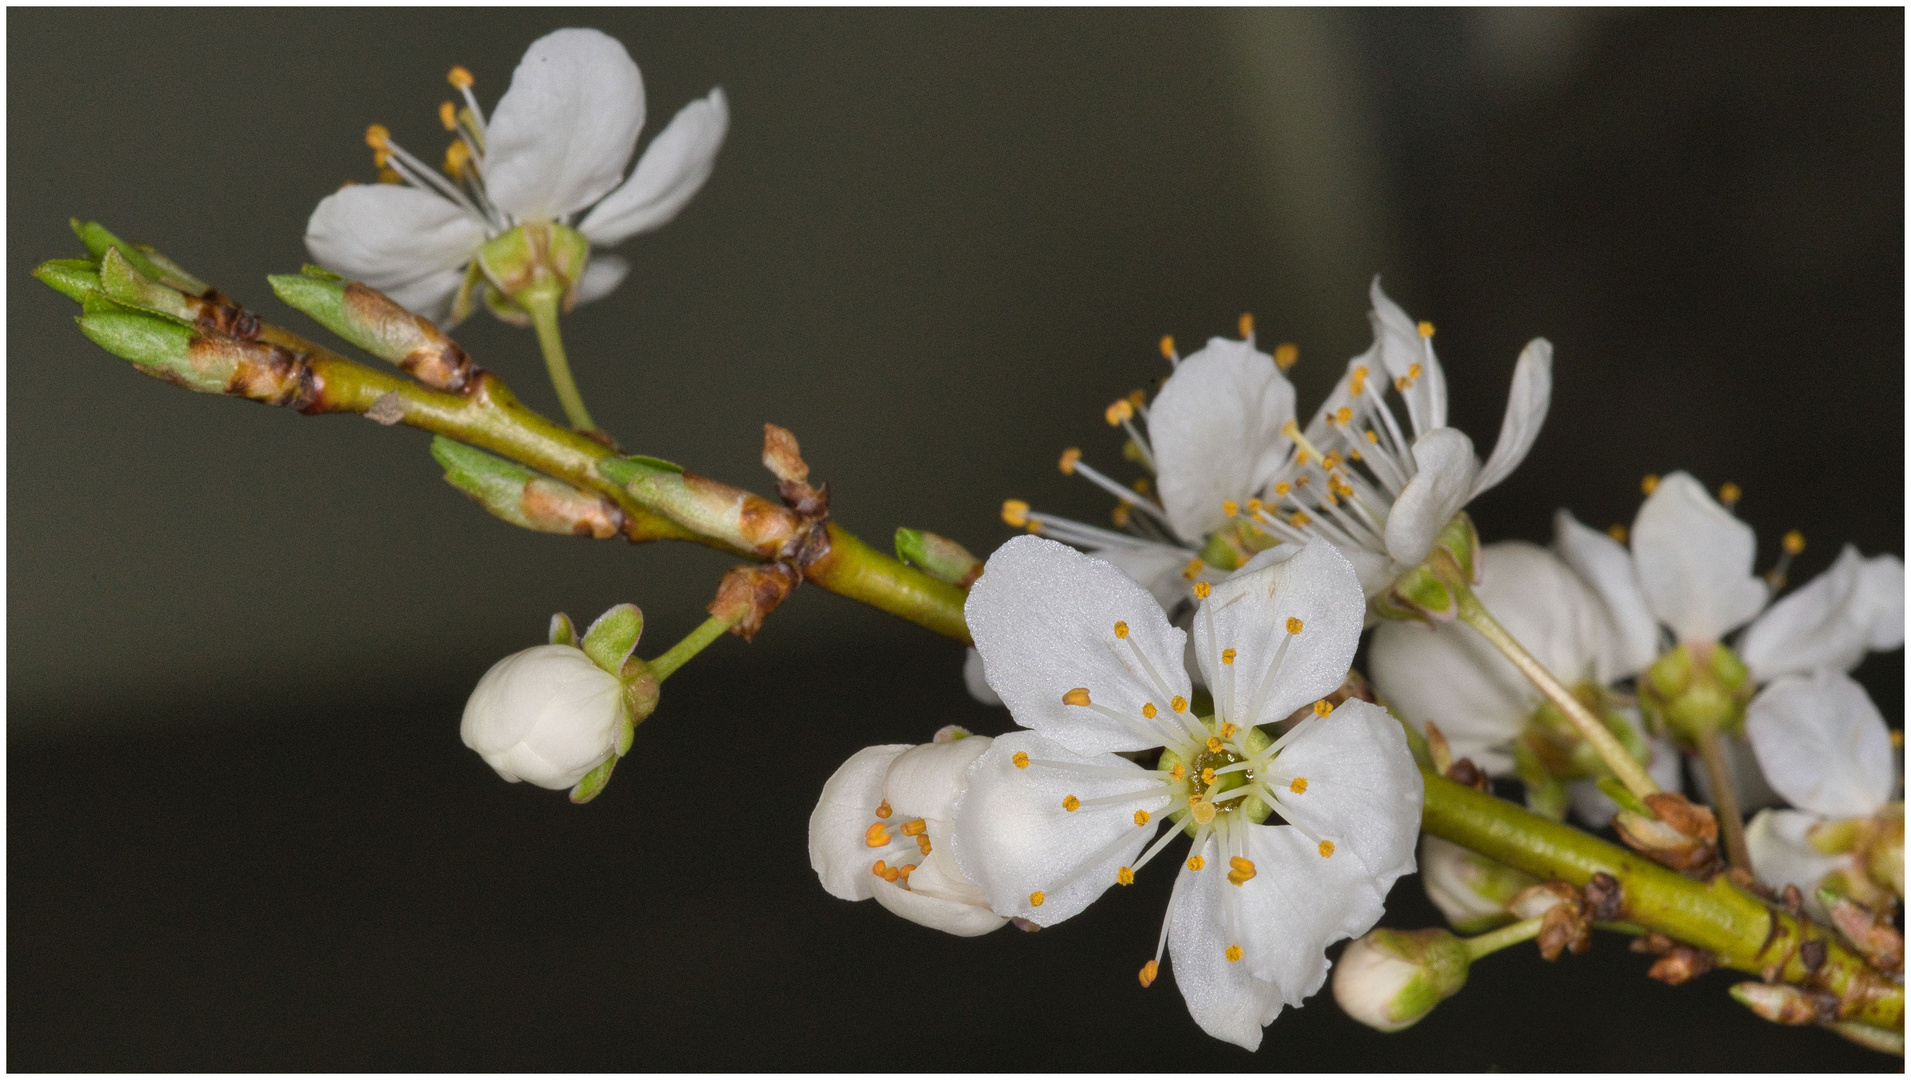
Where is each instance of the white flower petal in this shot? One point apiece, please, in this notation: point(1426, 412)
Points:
point(1446, 467)
point(1043, 616)
point(937, 898)
point(1224, 997)
point(1250, 613)
point(601, 277)
point(925, 781)
point(430, 296)
point(1296, 905)
point(1216, 432)
point(560, 137)
point(1013, 838)
point(1363, 790)
point(1780, 856)
point(846, 809)
point(1401, 347)
point(400, 240)
point(547, 715)
point(673, 168)
point(976, 680)
point(1606, 565)
point(1526, 405)
point(1695, 561)
point(1155, 567)
point(1881, 596)
point(1830, 621)
point(1596, 810)
point(1823, 744)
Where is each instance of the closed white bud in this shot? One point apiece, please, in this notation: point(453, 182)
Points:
point(1471, 890)
point(547, 715)
point(1389, 979)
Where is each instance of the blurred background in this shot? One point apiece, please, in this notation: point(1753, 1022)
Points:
point(243, 832)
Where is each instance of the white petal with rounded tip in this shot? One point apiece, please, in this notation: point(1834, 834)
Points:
point(1526, 405)
point(1596, 810)
point(1043, 616)
point(976, 680)
point(429, 296)
point(1249, 613)
point(547, 715)
point(846, 809)
point(560, 137)
point(601, 277)
point(1780, 855)
point(1694, 561)
point(924, 782)
point(1363, 789)
point(1216, 432)
point(1225, 998)
point(1452, 877)
point(1401, 347)
point(1823, 744)
point(1830, 621)
point(1013, 838)
point(1446, 467)
point(397, 239)
point(936, 912)
point(1606, 565)
point(1881, 607)
point(1155, 567)
point(673, 168)
point(1296, 905)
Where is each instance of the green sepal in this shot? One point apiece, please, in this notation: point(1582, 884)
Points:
point(1417, 596)
point(99, 240)
point(122, 281)
point(938, 556)
point(319, 273)
point(1221, 554)
point(593, 783)
point(611, 638)
point(75, 278)
point(146, 340)
point(491, 481)
point(622, 470)
point(1545, 794)
point(626, 733)
point(1619, 793)
point(1416, 742)
point(563, 631)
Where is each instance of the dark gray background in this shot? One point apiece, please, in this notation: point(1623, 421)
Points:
point(935, 245)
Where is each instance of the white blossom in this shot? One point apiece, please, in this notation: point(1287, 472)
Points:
point(555, 147)
point(547, 715)
point(1088, 662)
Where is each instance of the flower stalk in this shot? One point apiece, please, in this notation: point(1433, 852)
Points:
point(693, 643)
point(1724, 799)
point(1493, 941)
point(542, 303)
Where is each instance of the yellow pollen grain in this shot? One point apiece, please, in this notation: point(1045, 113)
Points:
point(1227, 656)
point(884, 810)
point(1119, 411)
point(1294, 625)
point(1326, 849)
point(1286, 355)
point(1299, 519)
point(1179, 704)
point(1196, 862)
point(1426, 328)
point(1282, 489)
point(448, 115)
point(1071, 804)
point(1372, 438)
point(1125, 876)
point(1299, 785)
point(1192, 570)
point(1230, 507)
point(1141, 817)
point(1228, 731)
point(1179, 772)
point(1167, 346)
point(1233, 954)
point(1730, 493)
point(460, 78)
point(1322, 707)
point(1077, 696)
point(1202, 812)
point(1207, 775)
point(915, 828)
point(1246, 325)
point(1020, 759)
point(1617, 532)
point(1202, 589)
point(1148, 710)
point(922, 844)
point(1070, 458)
point(1413, 372)
point(1121, 629)
point(1255, 506)
point(876, 836)
point(1794, 542)
point(1015, 512)
point(1148, 972)
point(1214, 747)
point(1649, 483)
point(1035, 898)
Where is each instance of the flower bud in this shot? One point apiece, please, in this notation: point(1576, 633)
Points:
point(548, 715)
point(1471, 890)
point(539, 255)
point(1389, 979)
point(1696, 688)
point(373, 322)
point(1430, 592)
point(524, 498)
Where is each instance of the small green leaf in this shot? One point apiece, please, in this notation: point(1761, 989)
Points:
point(76, 278)
point(611, 638)
point(593, 783)
point(1620, 794)
point(123, 281)
point(321, 273)
point(99, 240)
point(144, 339)
point(563, 631)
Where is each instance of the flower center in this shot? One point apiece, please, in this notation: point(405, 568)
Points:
point(900, 844)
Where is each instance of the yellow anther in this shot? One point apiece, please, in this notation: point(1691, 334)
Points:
point(1202, 589)
point(1035, 898)
point(1214, 747)
point(1413, 370)
point(1402, 384)
point(1230, 507)
point(1242, 872)
point(448, 115)
point(1202, 812)
point(1245, 324)
point(1294, 625)
point(1326, 849)
point(1121, 629)
point(922, 844)
point(1794, 542)
point(457, 157)
point(1148, 710)
point(1141, 817)
point(884, 810)
point(876, 835)
point(879, 868)
point(1125, 876)
point(1372, 438)
point(1330, 463)
point(1179, 704)
point(1179, 772)
point(1282, 488)
point(1148, 972)
point(1071, 804)
point(1298, 786)
point(1227, 656)
point(1617, 532)
point(1192, 570)
point(1122, 515)
point(1140, 485)
point(904, 871)
point(1426, 328)
point(1015, 512)
point(1077, 696)
point(1322, 708)
point(1897, 738)
point(1343, 415)
point(1286, 355)
point(1020, 759)
point(1299, 519)
point(1207, 775)
point(915, 828)
point(1118, 412)
point(1228, 731)
point(1167, 346)
point(1070, 457)
point(1254, 506)
point(460, 78)
point(1137, 398)
point(1196, 862)
point(390, 176)
point(1234, 953)
point(1649, 483)
point(1730, 493)
point(378, 137)
point(891, 874)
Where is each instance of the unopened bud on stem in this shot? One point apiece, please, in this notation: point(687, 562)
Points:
point(1471, 890)
point(1389, 979)
point(374, 322)
point(938, 556)
point(524, 498)
point(1430, 592)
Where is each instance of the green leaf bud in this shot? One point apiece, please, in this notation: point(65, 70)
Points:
point(938, 556)
point(525, 498)
point(76, 278)
point(99, 240)
point(374, 322)
point(122, 281)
